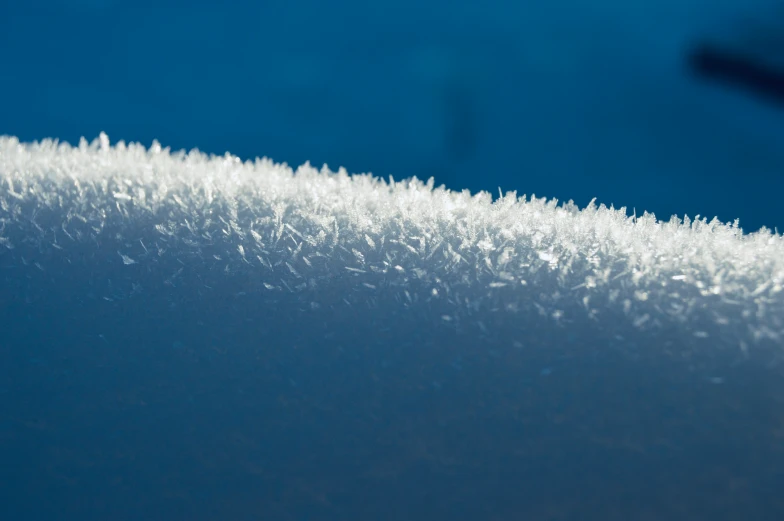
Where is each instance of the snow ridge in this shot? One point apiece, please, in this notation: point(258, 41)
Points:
point(330, 237)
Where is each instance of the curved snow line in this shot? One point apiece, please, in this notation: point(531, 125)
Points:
point(355, 238)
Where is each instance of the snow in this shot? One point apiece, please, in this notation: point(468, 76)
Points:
point(324, 237)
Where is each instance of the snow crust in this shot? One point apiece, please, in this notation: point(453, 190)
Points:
point(323, 237)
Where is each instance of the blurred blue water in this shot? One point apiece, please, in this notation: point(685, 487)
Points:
point(573, 100)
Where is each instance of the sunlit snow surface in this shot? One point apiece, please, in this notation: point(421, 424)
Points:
point(315, 239)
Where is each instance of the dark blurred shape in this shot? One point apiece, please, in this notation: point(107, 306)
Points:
point(460, 122)
point(719, 64)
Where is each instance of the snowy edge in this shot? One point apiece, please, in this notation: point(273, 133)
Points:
point(305, 229)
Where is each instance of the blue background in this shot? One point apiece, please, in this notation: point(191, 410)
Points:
point(571, 99)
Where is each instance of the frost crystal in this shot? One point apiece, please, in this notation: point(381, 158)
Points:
point(332, 238)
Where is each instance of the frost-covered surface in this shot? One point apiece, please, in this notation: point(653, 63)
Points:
point(320, 238)
point(194, 337)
